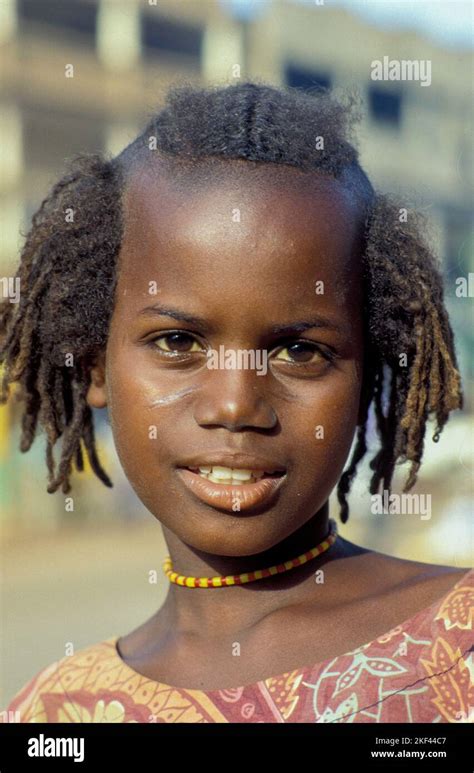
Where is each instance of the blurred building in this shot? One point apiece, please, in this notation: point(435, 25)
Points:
point(125, 53)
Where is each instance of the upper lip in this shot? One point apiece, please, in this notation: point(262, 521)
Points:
point(235, 461)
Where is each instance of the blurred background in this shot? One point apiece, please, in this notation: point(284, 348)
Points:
point(82, 575)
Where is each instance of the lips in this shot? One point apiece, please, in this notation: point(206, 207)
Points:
point(235, 498)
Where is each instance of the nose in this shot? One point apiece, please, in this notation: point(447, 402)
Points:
point(233, 399)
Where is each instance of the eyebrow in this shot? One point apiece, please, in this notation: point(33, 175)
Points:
point(317, 321)
point(182, 316)
point(306, 324)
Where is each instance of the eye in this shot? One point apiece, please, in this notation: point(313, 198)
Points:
point(176, 343)
point(304, 353)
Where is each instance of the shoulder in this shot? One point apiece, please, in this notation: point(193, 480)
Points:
point(51, 685)
point(392, 590)
point(420, 582)
point(416, 590)
point(399, 573)
point(372, 574)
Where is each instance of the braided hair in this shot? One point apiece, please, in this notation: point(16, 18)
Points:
point(51, 338)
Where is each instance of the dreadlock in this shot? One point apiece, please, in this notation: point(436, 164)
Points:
point(68, 271)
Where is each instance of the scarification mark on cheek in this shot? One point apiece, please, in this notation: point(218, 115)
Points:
point(167, 399)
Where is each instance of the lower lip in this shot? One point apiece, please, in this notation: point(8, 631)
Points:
point(226, 496)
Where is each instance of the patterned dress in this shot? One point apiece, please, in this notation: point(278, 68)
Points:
point(420, 671)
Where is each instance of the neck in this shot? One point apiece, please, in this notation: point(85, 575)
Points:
point(240, 606)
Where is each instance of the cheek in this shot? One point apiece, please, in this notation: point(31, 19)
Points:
point(145, 408)
point(324, 430)
point(134, 405)
point(135, 424)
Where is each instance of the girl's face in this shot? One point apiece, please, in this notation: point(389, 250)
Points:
point(220, 266)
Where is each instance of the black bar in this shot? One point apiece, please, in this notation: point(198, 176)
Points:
point(136, 746)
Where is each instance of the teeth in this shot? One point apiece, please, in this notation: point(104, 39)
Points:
point(225, 481)
point(229, 475)
point(229, 472)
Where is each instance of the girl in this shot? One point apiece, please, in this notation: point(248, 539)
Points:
point(240, 223)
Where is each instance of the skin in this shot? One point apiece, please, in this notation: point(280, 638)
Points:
point(242, 278)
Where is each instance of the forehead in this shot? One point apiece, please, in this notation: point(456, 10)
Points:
point(206, 191)
point(228, 219)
